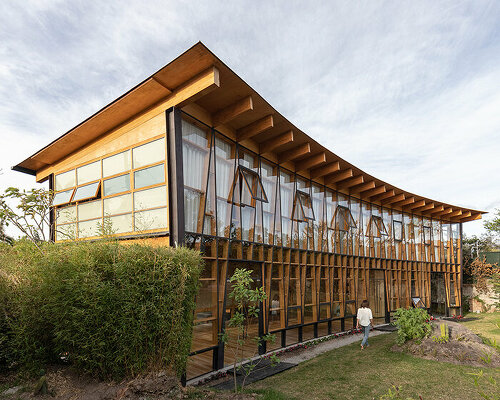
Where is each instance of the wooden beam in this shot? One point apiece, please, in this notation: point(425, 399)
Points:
point(294, 153)
point(347, 183)
point(325, 170)
point(338, 176)
point(404, 202)
point(455, 213)
point(416, 204)
point(435, 210)
point(393, 199)
point(271, 144)
point(373, 192)
point(442, 212)
point(232, 111)
point(255, 128)
point(472, 217)
point(361, 187)
point(383, 196)
point(311, 162)
point(429, 206)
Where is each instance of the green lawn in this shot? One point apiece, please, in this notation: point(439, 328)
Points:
point(486, 325)
point(349, 373)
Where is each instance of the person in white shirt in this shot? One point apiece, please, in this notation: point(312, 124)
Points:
point(365, 320)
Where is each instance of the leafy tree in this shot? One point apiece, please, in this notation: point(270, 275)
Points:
point(28, 211)
point(493, 225)
point(247, 302)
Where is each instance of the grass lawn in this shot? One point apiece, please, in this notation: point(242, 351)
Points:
point(486, 325)
point(349, 373)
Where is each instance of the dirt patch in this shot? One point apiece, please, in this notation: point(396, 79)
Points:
point(65, 384)
point(464, 347)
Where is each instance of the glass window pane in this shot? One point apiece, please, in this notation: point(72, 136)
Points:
point(121, 223)
point(151, 219)
point(149, 176)
point(150, 198)
point(149, 153)
point(65, 180)
point(115, 164)
point(65, 215)
point(86, 192)
point(117, 184)
point(118, 204)
point(88, 173)
point(62, 197)
point(89, 228)
point(90, 210)
point(66, 232)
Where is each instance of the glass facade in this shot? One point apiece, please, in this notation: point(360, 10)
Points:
point(317, 252)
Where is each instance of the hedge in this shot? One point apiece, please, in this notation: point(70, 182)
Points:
point(115, 310)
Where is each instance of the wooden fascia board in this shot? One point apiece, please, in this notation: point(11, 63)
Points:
point(296, 152)
point(416, 204)
point(193, 89)
point(325, 170)
point(255, 128)
point(347, 183)
point(393, 199)
point(404, 202)
point(373, 192)
point(362, 187)
point(232, 111)
point(272, 144)
point(383, 196)
point(338, 176)
point(311, 162)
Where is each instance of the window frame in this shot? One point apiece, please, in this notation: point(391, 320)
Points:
point(240, 177)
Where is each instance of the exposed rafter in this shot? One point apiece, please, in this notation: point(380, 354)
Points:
point(325, 170)
point(414, 205)
point(426, 207)
point(255, 128)
point(444, 212)
point(232, 111)
point(393, 199)
point(435, 210)
point(455, 213)
point(347, 183)
point(311, 162)
point(362, 187)
point(272, 144)
point(404, 202)
point(294, 153)
point(338, 176)
point(373, 192)
point(383, 196)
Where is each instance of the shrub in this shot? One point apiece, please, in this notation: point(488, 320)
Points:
point(412, 323)
point(116, 310)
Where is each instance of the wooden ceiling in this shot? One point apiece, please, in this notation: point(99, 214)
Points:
point(240, 109)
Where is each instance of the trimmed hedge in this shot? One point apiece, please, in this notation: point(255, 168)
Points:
point(117, 310)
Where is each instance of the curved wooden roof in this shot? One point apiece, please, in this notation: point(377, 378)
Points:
point(238, 108)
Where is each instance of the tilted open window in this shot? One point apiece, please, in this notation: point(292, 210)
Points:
point(302, 207)
point(87, 191)
point(342, 219)
point(376, 227)
point(247, 188)
point(427, 235)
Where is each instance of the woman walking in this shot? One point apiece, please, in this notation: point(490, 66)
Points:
point(365, 319)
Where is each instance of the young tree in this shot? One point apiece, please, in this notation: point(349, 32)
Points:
point(493, 226)
point(246, 302)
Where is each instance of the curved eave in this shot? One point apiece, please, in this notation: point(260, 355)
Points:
point(237, 108)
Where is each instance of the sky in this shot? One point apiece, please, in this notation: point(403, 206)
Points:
point(407, 91)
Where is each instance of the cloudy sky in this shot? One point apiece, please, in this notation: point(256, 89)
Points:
point(407, 91)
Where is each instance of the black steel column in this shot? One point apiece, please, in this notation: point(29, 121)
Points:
point(175, 176)
point(52, 222)
point(461, 269)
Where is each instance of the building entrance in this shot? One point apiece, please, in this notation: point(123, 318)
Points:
point(377, 296)
point(438, 294)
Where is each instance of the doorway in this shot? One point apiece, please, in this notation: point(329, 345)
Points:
point(377, 296)
point(438, 294)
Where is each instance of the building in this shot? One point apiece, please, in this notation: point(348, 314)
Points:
point(194, 156)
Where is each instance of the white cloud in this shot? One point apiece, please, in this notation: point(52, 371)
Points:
point(407, 92)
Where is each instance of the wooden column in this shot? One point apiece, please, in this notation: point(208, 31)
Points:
point(175, 176)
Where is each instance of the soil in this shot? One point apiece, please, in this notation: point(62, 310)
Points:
point(463, 348)
point(65, 384)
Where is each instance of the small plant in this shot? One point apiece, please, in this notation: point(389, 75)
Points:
point(394, 393)
point(246, 301)
point(479, 383)
point(487, 357)
point(412, 323)
point(492, 343)
point(444, 337)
